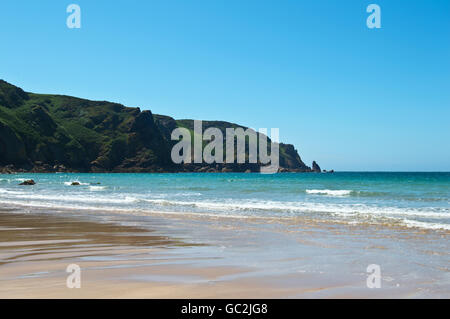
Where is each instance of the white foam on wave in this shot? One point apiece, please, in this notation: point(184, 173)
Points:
point(329, 192)
point(97, 188)
point(304, 207)
point(7, 191)
point(227, 208)
point(143, 212)
point(426, 225)
point(130, 211)
point(225, 205)
point(85, 198)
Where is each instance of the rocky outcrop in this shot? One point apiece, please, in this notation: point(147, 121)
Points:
point(28, 182)
point(12, 147)
point(316, 167)
point(291, 159)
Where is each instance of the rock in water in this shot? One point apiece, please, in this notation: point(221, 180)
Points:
point(75, 184)
point(28, 182)
point(316, 167)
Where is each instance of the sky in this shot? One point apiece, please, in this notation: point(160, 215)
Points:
point(349, 97)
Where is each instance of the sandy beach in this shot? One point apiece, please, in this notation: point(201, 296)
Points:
point(116, 262)
point(125, 261)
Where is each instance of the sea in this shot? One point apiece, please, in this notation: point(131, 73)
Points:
point(415, 200)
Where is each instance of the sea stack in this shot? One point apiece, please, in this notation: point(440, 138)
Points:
point(316, 167)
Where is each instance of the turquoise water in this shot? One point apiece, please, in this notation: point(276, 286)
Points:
point(405, 199)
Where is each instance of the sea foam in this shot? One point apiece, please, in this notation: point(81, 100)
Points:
point(329, 192)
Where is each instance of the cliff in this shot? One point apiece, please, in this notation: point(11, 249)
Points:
point(45, 133)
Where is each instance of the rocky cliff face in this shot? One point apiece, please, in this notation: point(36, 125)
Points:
point(60, 133)
point(289, 158)
point(316, 167)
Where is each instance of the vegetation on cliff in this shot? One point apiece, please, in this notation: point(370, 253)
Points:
point(41, 132)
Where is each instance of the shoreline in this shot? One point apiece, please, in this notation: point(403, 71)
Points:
point(215, 217)
point(188, 168)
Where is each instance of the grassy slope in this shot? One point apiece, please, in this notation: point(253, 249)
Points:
point(90, 135)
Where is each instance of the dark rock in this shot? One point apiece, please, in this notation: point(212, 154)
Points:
point(8, 169)
point(42, 121)
point(143, 122)
point(166, 125)
point(12, 148)
point(28, 182)
point(316, 167)
point(75, 184)
point(291, 160)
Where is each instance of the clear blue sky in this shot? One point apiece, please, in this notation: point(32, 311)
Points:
point(347, 96)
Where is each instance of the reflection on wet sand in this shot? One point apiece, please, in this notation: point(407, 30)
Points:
point(115, 260)
point(167, 256)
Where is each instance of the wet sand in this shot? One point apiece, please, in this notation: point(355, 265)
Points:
point(123, 261)
point(116, 262)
